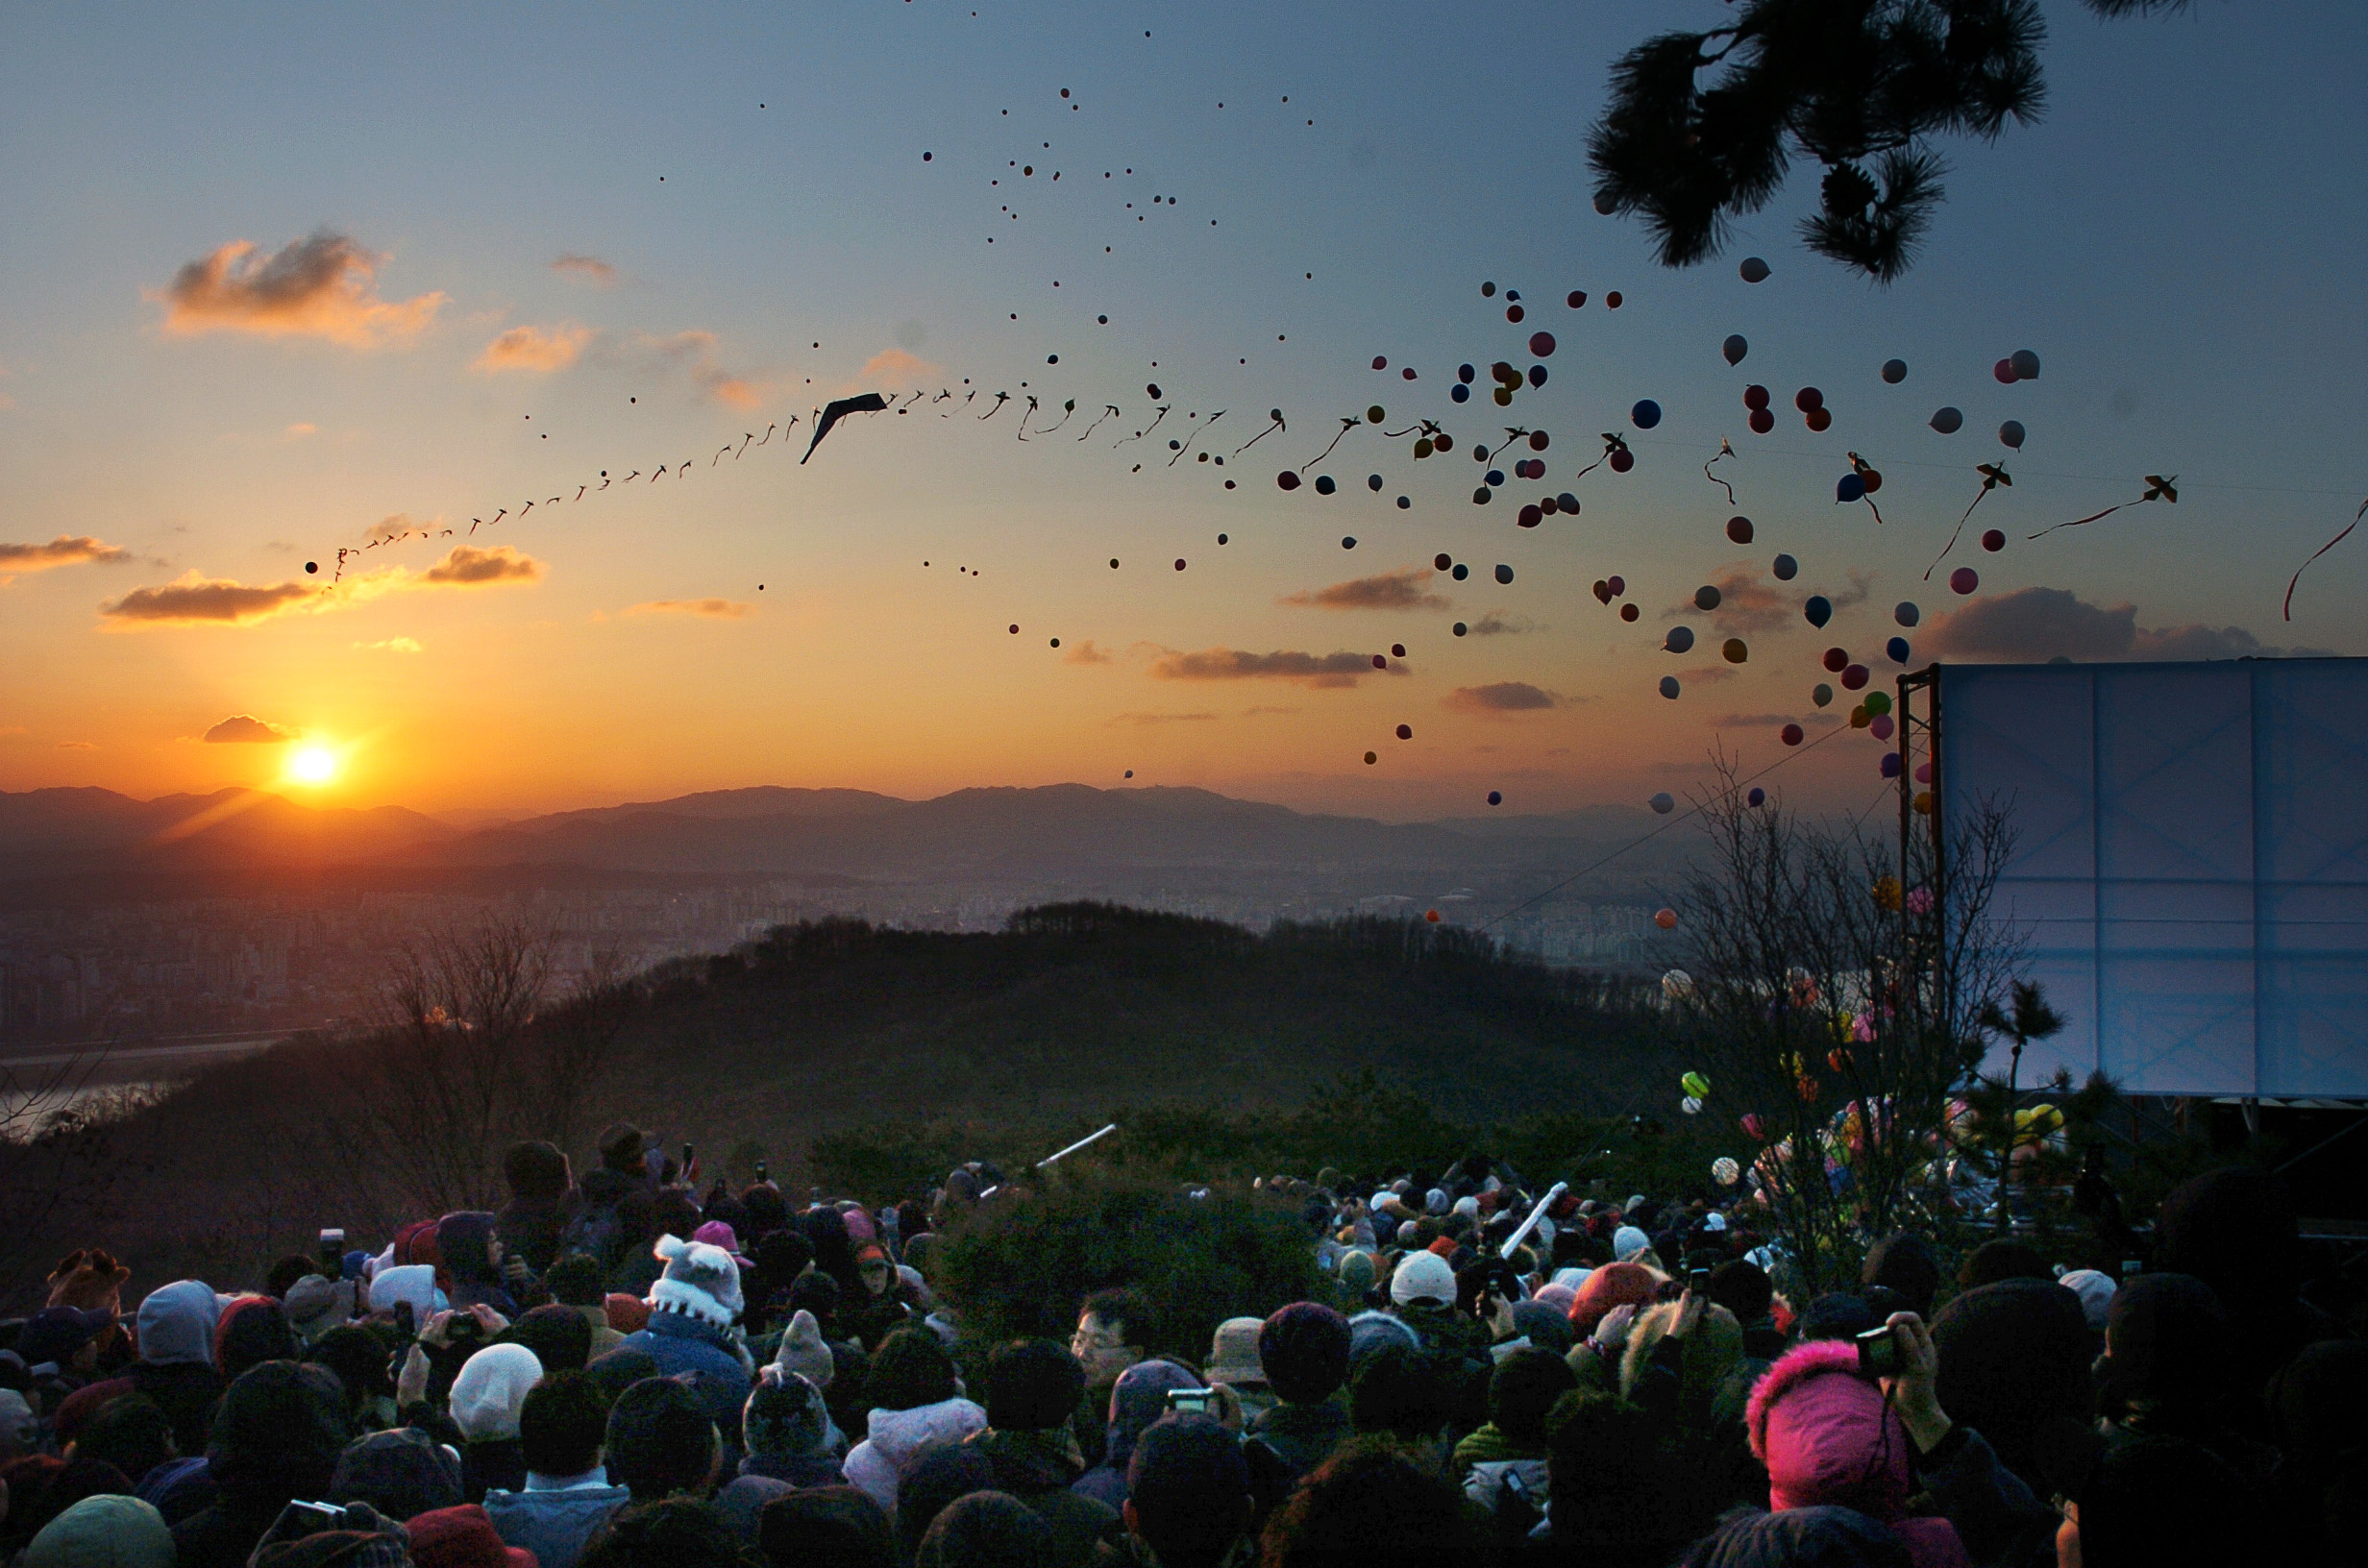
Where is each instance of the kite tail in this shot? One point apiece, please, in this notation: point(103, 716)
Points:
point(2078, 521)
point(2321, 551)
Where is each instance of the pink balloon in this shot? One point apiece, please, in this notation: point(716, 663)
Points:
point(1964, 581)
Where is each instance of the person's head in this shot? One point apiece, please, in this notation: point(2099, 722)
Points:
point(659, 1442)
point(1714, 1355)
point(1600, 1462)
point(575, 1280)
point(613, 1373)
point(130, 1432)
point(1186, 1490)
point(1836, 1316)
point(1303, 1350)
point(2003, 1260)
point(278, 1432)
point(910, 1368)
point(1613, 1285)
point(252, 1330)
point(1743, 1288)
point(826, 1527)
point(666, 1533)
point(1828, 1436)
point(1421, 1279)
point(2161, 1500)
point(986, 1530)
point(931, 1481)
point(401, 1472)
point(805, 1351)
point(470, 1248)
point(1544, 1324)
point(2235, 1230)
point(1904, 1263)
point(1522, 1389)
point(561, 1425)
point(2166, 1347)
point(491, 1390)
point(536, 1172)
point(1398, 1392)
point(1114, 1331)
point(785, 1419)
point(701, 1281)
point(2013, 1355)
point(559, 1337)
point(621, 1145)
point(1820, 1537)
point(286, 1272)
point(874, 1269)
point(1137, 1400)
point(1032, 1386)
point(1369, 1506)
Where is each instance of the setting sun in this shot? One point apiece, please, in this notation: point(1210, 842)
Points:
point(313, 765)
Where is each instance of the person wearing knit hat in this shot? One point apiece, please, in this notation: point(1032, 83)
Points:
point(106, 1531)
point(559, 1335)
point(400, 1472)
point(461, 1538)
point(64, 1337)
point(2096, 1292)
point(624, 1314)
point(692, 1306)
point(2015, 1355)
point(251, 1330)
point(787, 1434)
point(317, 1304)
point(803, 1352)
point(415, 1283)
point(1370, 1332)
point(1137, 1400)
point(1627, 1242)
point(485, 1400)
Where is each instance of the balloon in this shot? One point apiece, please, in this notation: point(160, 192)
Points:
point(1890, 759)
point(1887, 890)
point(1373, 481)
point(1905, 613)
point(1645, 414)
point(1725, 1171)
point(1669, 687)
point(1855, 678)
point(1706, 598)
point(1739, 531)
point(1846, 489)
point(1482, 495)
point(1665, 918)
point(1504, 573)
point(1623, 461)
point(1464, 374)
point(1131, 772)
point(1628, 613)
point(1880, 726)
point(1487, 291)
point(1375, 414)
point(1542, 344)
point(1761, 422)
point(1819, 419)
point(1530, 516)
point(1398, 651)
point(1790, 734)
point(1431, 916)
point(1495, 799)
point(1860, 718)
point(1894, 371)
point(1461, 572)
point(1514, 313)
point(1948, 421)
point(2026, 364)
point(1380, 362)
point(1819, 609)
point(1372, 758)
point(1878, 703)
point(2004, 371)
point(1734, 650)
point(1690, 1105)
point(1569, 502)
point(1380, 663)
point(1459, 392)
point(1441, 561)
point(1694, 1083)
point(1822, 695)
point(1896, 650)
point(1754, 270)
point(1755, 396)
point(1324, 485)
point(1680, 640)
point(1964, 581)
point(1287, 479)
point(1663, 803)
point(1602, 591)
point(1611, 300)
point(1757, 798)
point(1619, 586)
point(1735, 348)
point(1783, 568)
point(1994, 540)
point(1577, 297)
point(1837, 659)
point(1405, 732)
point(313, 566)
point(2010, 434)
point(1752, 1125)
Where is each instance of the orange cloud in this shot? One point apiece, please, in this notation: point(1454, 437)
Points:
point(1143, 721)
point(66, 550)
point(193, 600)
point(591, 269)
point(1400, 590)
point(323, 286)
point(1498, 697)
point(898, 365)
point(1085, 651)
point(715, 609)
point(696, 348)
point(391, 645)
point(241, 728)
point(299, 431)
point(536, 350)
point(1319, 670)
point(469, 567)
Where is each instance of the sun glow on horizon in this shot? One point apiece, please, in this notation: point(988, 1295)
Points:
point(312, 765)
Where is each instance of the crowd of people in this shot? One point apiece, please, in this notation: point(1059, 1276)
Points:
point(618, 1370)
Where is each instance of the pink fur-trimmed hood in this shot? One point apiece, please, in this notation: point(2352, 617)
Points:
point(1827, 1437)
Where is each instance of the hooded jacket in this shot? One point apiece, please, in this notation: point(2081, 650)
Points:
point(1828, 1438)
point(1038, 1467)
point(895, 1436)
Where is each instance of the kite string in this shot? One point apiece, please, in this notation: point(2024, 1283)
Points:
point(2316, 553)
point(1647, 838)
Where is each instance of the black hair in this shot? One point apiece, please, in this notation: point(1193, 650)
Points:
point(1523, 1390)
point(130, 1432)
point(1397, 1389)
point(659, 1439)
point(670, 1532)
point(1032, 1386)
point(562, 1425)
point(1127, 1309)
point(910, 1367)
point(1370, 1505)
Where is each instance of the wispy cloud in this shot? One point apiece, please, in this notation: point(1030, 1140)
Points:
point(586, 269)
point(1316, 669)
point(66, 550)
point(469, 567)
point(695, 351)
point(299, 431)
point(714, 609)
point(390, 645)
point(1745, 603)
point(2034, 624)
point(78, 745)
point(1498, 697)
point(537, 351)
point(1145, 721)
point(324, 286)
point(1707, 674)
point(195, 599)
point(1494, 624)
point(245, 730)
point(897, 366)
point(1084, 650)
point(1400, 590)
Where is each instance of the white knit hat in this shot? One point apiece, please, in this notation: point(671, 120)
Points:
point(1422, 1275)
point(1627, 1241)
point(491, 1389)
point(700, 1281)
point(803, 1352)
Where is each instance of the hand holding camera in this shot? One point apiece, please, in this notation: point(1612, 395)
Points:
point(1901, 1356)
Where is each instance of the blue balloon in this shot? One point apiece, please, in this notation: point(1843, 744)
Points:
point(1819, 609)
point(1896, 650)
point(1849, 488)
point(1496, 476)
point(1645, 414)
point(1786, 569)
point(1459, 393)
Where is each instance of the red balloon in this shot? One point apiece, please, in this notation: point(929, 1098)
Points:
point(1405, 732)
point(1994, 540)
point(1514, 313)
point(2004, 370)
point(1179, 563)
point(1539, 440)
point(1398, 651)
point(1739, 531)
point(1854, 677)
point(1541, 344)
point(1408, 373)
point(1619, 586)
point(1623, 461)
point(1287, 479)
point(1761, 422)
point(1628, 612)
point(1820, 419)
point(1431, 916)
point(1380, 663)
point(1531, 516)
point(1665, 918)
point(1577, 298)
point(1381, 362)
point(1755, 396)
point(1964, 581)
point(1790, 734)
point(1808, 397)
point(1837, 659)
point(1611, 300)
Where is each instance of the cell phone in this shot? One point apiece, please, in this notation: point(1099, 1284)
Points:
point(463, 1327)
point(316, 1517)
point(762, 1174)
point(1191, 1401)
point(1878, 1353)
point(690, 1163)
point(1698, 1281)
point(1516, 1485)
point(407, 1321)
point(333, 1253)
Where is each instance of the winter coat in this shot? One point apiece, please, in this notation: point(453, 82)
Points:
point(681, 1343)
point(554, 1525)
point(893, 1437)
point(1828, 1436)
point(1037, 1467)
point(1286, 1443)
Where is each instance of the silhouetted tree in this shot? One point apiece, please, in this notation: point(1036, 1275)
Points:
point(1703, 127)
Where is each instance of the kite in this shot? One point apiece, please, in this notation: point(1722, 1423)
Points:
point(1001, 399)
point(1195, 437)
point(2157, 488)
point(1869, 480)
point(1992, 477)
point(1147, 429)
point(1347, 425)
point(1028, 415)
point(1725, 450)
point(1107, 410)
point(1615, 452)
point(2321, 551)
point(870, 403)
point(1274, 415)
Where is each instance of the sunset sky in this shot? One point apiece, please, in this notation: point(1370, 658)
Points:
point(286, 280)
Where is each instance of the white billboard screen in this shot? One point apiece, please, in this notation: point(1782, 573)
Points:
point(2190, 868)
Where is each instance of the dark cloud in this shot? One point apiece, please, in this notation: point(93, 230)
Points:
point(1321, 670)
point(66, 550)
point(1861, 589)
point(245, 728)
point(1745, 603)
point(1499, 697)
point(323, 286)
point(1402, 590)
point(2036, 624)
point(469, 567)
point(1709, 675)
point(591, 269)
point(1494, 624)
point(196, 601)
